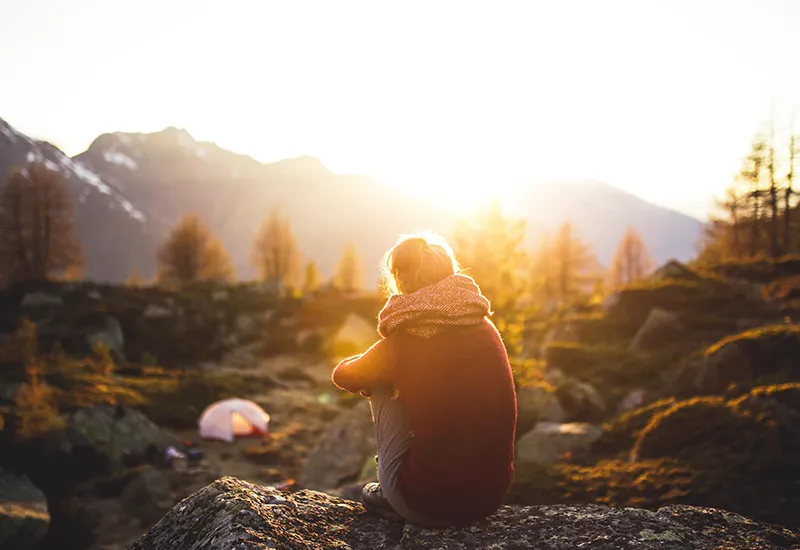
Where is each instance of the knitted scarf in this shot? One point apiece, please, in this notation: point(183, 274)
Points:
point(454, 301)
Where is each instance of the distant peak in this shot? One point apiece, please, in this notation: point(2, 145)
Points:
point(303, 163)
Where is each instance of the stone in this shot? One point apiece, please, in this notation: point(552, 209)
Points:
point(661, 328)
point(41, 300)
point(581, 401)
point(634, 399)
point(24, 519)
point(153, 311)
point(674, 269)
point(109, 431)
point(233, 514)
point(564, 332)
point(549, 440)
point(536, 403)
point(105, 329)
point(148, 496)
point(339, 455)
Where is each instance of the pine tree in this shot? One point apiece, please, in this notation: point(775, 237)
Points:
point(312, 279)
point(631, 261)
point(193, 254)
point(349, 273)
point(275, 253)
point(37, 226)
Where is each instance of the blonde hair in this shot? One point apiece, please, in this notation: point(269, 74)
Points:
point(416, 261)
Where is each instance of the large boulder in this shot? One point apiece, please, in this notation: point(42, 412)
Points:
point(537, 403)
point(148, 496)
point(746, 449)
point(339, 455)
point(113, 433)
point(101, 328)
point(660, 329)
point(772, 351)
point(24, 519)
point(232, 514)
point(549, 440)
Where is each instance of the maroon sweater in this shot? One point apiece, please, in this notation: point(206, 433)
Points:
point(459, 392)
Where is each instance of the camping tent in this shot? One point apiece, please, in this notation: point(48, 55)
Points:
point(232, 418)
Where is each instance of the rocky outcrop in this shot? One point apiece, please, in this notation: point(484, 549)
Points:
point(537, 403)
point(549, 440)
point(232, 514)
point(23, 513)
point(660, 329)
point(339, 455)
point(116, 432)
point(148, 496)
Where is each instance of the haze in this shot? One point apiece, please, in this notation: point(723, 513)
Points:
point(659, 98)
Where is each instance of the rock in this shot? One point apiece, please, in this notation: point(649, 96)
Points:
point(105, 329)
point(109, 431)
point(153, 311)
point(744, 450)
point(41, 300)
point(581, 401)
point(537, 403)
point(674, 269)
point(564, 332)
point(549, 440)
point(339, 455)
point(633, 400)
point(661, 328)
point(148, 496)
point(24, 519)
point(220, 295)
point(233, 514)
point(244, 323)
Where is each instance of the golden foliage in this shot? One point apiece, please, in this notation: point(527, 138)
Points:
point(193, 254)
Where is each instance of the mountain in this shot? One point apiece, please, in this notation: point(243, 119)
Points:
point(130, 189)
point(601, 213)
point(116, 234)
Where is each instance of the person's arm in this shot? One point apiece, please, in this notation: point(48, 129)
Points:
point(361, 372)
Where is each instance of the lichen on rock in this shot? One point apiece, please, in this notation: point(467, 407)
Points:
point(233, 514)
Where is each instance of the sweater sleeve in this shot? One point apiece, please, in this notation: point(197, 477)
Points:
point(369, 369)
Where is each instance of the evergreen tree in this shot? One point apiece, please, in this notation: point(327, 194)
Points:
point(193, 254)
point(37, 226)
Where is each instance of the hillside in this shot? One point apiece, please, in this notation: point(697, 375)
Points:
point(130, 189)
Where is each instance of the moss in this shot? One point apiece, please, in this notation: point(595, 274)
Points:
point(768, 350)
point(621, 433)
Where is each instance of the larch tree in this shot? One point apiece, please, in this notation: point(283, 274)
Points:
point(312, 278)
point(490, 249)
point(349, 274)
point(37, 226)
point(631, 261)
point(275, 254)
point(193, 254)
point(574, 265)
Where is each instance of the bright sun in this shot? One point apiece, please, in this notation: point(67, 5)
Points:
point(459, 193)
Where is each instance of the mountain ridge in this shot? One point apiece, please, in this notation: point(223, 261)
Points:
point(155, 178)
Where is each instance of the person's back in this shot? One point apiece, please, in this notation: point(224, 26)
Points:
point(458, 389)
point(442, 394)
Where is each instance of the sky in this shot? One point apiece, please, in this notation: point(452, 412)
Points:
point(450, 99)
